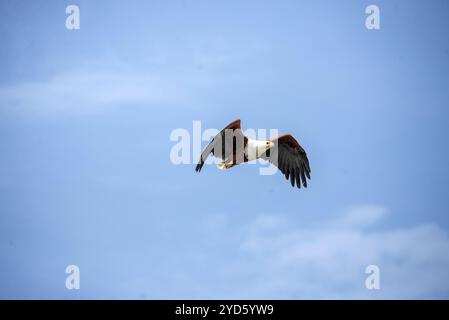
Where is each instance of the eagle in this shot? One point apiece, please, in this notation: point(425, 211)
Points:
point(234, 148)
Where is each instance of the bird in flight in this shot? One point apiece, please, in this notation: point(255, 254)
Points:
point(234, 148)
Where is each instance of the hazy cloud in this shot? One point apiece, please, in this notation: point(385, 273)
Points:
point(318, 262)
point(84, 92)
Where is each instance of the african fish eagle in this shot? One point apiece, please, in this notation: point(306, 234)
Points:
point(234, 148)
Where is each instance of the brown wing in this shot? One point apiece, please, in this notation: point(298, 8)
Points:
point(220, 143)
point(291, 159)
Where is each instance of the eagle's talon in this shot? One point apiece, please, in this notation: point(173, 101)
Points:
point(224, 165)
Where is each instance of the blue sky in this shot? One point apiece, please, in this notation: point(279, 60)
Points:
point(86, 177)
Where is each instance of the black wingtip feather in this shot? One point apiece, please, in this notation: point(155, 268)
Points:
point(199, 166)
point(307, 174)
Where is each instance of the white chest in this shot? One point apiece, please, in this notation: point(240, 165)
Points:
point(254, 149)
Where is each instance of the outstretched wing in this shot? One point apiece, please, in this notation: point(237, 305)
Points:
point(219, 141)
point(290, 158)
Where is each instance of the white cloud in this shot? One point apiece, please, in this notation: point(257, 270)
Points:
point(360, 217)
point(169, 76)
point(329, 261)
point(91, 91)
